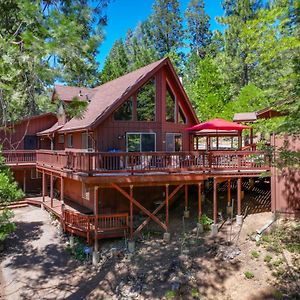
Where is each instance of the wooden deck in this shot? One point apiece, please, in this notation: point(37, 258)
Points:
point(97, 163)
point(79, 220)
point(20, 158)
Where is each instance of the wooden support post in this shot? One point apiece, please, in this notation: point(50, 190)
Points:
point(228, 192)
point(199, 201)
point(24, 181)
point(131, 213)
point(239, 202)
point(62, 190)
point(186, 195)
point(51, 190)
point(43, 185)
point(96, 213)
point(240, 141)
point(215, 208)
point(167, 207)
point(251, 137)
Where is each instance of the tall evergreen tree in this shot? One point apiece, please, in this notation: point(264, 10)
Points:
point(199, 33)
point(166, 26)
point(116, 64)
point(42, 41)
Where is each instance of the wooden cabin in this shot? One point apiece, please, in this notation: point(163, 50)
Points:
point(131, 148)
point(19, 142)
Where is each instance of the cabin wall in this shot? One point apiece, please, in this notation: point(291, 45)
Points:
point(16, 134)
point(32, 184)
point(111, 134)
point(285, 183)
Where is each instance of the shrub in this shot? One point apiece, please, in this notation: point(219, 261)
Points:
point(249, 275)
point(205, 221)
point(255, 254)
point(267, 258)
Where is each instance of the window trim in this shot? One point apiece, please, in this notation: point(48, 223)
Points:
point(70, 138)
point(61, 138)
point(140, 133)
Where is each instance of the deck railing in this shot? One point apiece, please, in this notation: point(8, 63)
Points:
point(105, 223)
point(19, 157)
point(106, 162)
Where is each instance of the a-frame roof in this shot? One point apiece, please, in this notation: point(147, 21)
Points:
point(105, 98)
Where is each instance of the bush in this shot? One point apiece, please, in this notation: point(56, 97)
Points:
point(205, 221)
point(249, 275)
point(6, 227)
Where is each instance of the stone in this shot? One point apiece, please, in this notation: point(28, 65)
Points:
point(186, 214)
point(200, 228)
point(167, 237)
point(214, 229)
point(72, 241)
point(131, 246)
point(239, 220)
point(95, 258)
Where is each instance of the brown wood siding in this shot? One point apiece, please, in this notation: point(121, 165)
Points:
point(111, 134)
point(285, 183)
point(26, 127)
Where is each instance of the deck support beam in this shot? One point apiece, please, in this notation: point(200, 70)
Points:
point(24, 181)
point(158, 208)
point(140, 206)
point(186, 195)
point(215, 201)
point(167, 207)
point(131, 212)
point(51, 189)
point(96, 212)
point(239, 196)
point(199, 201)
point(43, 185)
point(228, 192)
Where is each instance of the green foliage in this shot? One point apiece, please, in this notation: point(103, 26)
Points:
point(249, 275)
point(198, 27)
point(43, 41)
point(267, 258)
point(254, 254)
point(6, 226)
point(170, 295)
point(205, 221)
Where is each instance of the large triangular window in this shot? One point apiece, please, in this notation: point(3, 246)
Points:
point(124, 112)
point(145, 107)
point(170, 105)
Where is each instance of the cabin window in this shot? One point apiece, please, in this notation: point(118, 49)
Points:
point(61, 138)
point(140, 142)
point(86, 192)
point(146, 102)
point(86, 141)
point(173, 142)
point(30, 142)
point(124, 112)
point(199, 143)
point(70, 141)
point(170, 105)
point(181, 116)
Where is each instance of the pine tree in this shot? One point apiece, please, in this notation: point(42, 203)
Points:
point(116, 64)
point(198, 27)
point(166, 26)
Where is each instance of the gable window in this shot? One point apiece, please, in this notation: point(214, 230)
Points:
point(86, 141)
point(140, 142)
point(70, 141)
point(124, 112)
point(86, 192)
point(146, 102)
point(173, 142)
point(170, 105)
point(61, 138)
point(181, 116)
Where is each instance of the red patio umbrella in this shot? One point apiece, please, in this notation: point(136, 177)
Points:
point(218, 124)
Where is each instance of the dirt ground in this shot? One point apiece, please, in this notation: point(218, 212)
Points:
point(36, 264)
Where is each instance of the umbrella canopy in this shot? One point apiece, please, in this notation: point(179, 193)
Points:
point(218, 124)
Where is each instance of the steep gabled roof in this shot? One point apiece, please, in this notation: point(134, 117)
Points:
point(67, 93)
point(106, 97)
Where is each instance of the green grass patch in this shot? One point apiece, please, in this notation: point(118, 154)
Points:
point(254, 254)
point(170, 295)
point(248, 275)
point(267, 258)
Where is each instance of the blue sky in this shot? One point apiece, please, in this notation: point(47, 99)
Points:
point(124, 14)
